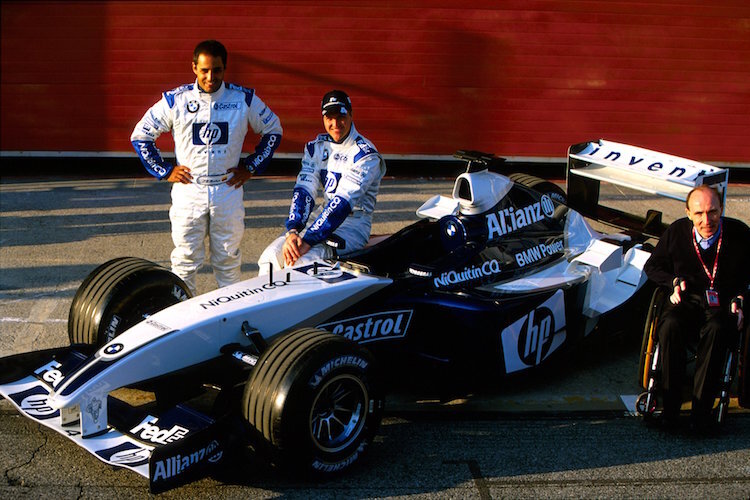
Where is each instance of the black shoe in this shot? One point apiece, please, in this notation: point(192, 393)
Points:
point(702, 420)
point(702, 424)
point(668, 422)
point(671, 413)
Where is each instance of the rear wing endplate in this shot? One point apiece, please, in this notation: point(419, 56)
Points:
point(636, 168)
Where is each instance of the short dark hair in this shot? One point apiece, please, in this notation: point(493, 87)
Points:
point(707, 188)
point(212, 48)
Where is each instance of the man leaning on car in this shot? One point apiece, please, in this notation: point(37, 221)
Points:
point(703, 260)
point(347, 168)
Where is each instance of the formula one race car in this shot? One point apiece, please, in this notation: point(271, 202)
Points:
point(502, 275)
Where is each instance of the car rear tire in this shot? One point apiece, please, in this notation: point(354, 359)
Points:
point(314, 402)
point(541, 186)
point(117, 295)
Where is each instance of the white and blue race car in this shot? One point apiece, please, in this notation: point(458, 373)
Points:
point(494, 279)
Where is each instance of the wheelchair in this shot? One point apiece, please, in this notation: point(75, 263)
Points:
point(736, 360)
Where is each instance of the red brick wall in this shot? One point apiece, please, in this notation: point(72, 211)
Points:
point(518, 78)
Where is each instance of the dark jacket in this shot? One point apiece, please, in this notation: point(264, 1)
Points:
point(675, 257)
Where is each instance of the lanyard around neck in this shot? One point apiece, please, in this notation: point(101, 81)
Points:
point(712, 275)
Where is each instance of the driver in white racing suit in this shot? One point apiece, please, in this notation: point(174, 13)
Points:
point(209, 120)
point(348, 169)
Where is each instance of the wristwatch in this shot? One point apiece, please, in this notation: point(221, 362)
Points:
point(291, 231)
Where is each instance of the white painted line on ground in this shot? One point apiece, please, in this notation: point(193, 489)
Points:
point(21, 295)
point(42, 310)
point(30, 322)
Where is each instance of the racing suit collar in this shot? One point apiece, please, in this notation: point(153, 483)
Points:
point(210, 95)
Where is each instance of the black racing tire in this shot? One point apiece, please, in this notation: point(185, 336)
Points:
point(541, 186)
point(314, 402)
point(117, 295)
point(650, 339)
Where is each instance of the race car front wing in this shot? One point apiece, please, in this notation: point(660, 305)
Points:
point(169, 447)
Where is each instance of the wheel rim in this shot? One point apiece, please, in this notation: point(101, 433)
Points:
point(645, 405)
point(338, 413)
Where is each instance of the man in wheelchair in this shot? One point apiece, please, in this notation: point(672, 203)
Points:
point(704, 261)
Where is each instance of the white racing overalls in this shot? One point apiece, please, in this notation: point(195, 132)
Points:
point(348, 174)
point(209, 131)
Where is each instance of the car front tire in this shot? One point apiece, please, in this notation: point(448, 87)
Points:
point(314, 402)
point(117, 295)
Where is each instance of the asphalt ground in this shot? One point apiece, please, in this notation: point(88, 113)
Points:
point(425, 459)
point(55, 230)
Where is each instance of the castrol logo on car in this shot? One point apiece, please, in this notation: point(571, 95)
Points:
point(373, 327)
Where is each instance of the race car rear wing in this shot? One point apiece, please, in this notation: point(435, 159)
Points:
point(590, 163)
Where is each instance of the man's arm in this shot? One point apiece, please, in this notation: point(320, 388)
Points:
point(303, 203)
point(257, 162)
point(737, 304)
point(156, 121)
point(660, 268)
point(332, 216)
point(368, 167)
point(300, 209)
point(352, 186)
point(263, 121)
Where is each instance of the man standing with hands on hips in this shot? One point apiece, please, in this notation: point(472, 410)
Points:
point(208, 120)
point(703, 259)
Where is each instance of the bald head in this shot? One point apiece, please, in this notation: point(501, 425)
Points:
point(705, 188)
point(703, 208)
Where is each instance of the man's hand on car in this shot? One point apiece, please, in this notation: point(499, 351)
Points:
point(294, 248)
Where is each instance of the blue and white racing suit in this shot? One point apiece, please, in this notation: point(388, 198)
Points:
point(209, 131)
point(348, 174)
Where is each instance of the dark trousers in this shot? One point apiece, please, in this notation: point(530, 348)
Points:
point(692, 322)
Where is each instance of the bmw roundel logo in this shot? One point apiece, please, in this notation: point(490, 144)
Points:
point(192, 106)
point(450, 229)
point(113, 348)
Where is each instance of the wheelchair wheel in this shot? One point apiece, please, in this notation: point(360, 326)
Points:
point(730, 364)
point(645, 405)
point(649, 343)
point(743, 375)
